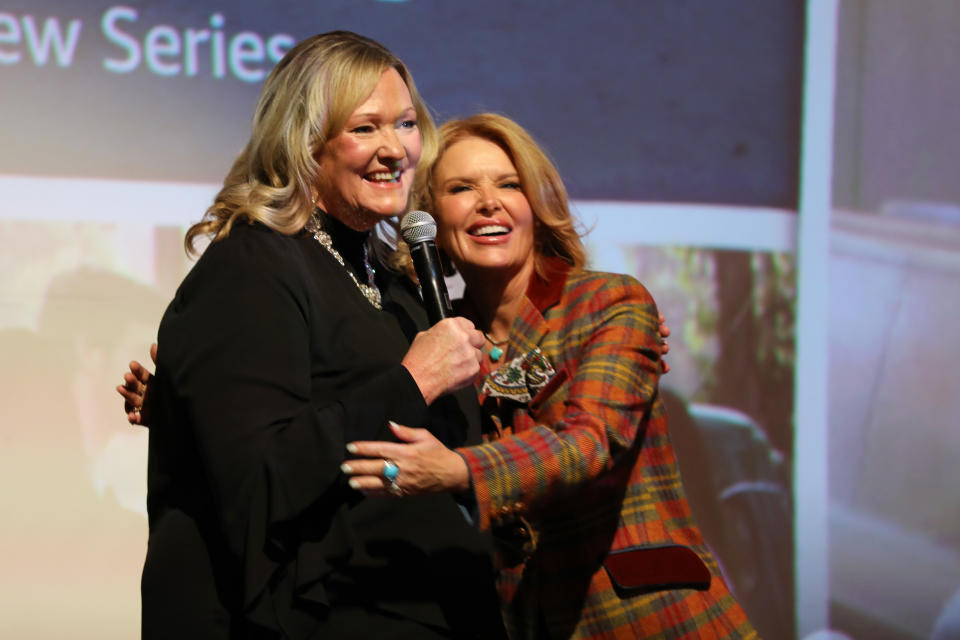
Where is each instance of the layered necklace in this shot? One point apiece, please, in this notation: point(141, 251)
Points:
point(369, 290)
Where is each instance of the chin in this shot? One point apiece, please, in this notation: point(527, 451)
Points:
point(386, 209)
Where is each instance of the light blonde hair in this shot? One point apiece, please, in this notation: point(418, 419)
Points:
point(306, 100)
point(555, 232)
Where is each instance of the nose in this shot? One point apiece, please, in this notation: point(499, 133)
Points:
point(489, 201)
point(391, 147)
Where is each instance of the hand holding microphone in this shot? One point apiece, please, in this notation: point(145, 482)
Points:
point(447, 356)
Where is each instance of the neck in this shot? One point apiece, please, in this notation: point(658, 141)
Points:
point(496, 298)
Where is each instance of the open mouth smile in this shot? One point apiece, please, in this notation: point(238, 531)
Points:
point(489, 231)
point(384, 177)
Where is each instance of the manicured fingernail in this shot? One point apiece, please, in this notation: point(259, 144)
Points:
point(354, 483)
point(352, 448)
point(393, 425)
point(346, 468)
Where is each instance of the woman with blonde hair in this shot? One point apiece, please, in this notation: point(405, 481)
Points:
point(577, 479)
point(271, 351)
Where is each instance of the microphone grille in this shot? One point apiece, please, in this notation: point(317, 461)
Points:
point(418, 226)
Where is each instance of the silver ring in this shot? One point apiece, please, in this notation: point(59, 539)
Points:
point(390, 470)
point(395, 489)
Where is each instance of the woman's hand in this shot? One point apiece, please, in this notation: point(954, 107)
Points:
point(424, 465)
point(664, 345)
point(445, 358)
point(134, 390)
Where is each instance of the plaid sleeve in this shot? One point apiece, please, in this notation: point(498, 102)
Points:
point(613, 321)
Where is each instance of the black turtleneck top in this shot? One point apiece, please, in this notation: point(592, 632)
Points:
point(271, 360)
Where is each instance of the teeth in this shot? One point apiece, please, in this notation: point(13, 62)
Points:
point(489, 230)
point(385, 176)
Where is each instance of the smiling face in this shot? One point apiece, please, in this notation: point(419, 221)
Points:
point(367, 169)
point(485, 222)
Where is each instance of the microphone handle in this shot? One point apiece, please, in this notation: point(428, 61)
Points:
point(433, 288)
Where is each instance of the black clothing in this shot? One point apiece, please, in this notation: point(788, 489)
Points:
point(271, 360)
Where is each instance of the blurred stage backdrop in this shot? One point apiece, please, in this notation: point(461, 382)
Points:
point(679, 129)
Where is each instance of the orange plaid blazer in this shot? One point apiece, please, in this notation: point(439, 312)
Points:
point(580, 485)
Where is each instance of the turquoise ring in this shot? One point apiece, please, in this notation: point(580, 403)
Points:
point(390, 470)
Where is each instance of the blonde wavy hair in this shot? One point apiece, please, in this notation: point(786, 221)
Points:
point(555, 232)
point(306, 100)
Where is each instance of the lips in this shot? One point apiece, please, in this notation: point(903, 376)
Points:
point(384, 177)
point(489, 228)
point(489, 232)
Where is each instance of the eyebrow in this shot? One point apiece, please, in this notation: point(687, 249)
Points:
point(502, 176)
point(376, 114)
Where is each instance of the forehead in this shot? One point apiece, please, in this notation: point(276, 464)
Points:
point(473, 155)
point(390, 93)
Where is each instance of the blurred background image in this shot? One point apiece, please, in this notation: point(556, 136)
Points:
point(812, 394)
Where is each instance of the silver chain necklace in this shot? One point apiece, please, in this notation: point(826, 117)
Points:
point(369, 290)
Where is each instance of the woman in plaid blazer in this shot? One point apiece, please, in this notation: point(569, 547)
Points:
point(577, 478)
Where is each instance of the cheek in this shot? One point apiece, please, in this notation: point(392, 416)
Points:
point(450, 215)
point(446, 233)
point(413, 148)
point(349, 157)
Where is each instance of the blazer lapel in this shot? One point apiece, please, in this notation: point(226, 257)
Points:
point(530, 327)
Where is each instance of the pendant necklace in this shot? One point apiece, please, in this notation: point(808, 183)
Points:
point(369, 290)
point(496, 352)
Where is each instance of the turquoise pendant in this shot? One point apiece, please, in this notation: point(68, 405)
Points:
point(495, 353)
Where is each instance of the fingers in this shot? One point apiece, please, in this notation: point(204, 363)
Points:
point(662, 327)
point(367, 476)
point(132, 390)
point(153, 353)
point(376, 449)
point(391, 450)
point(140, 372)
point(474, 337)
point(664, 344)
point(132, 402)
point(367, 470)
point(444, 358)
point(131, 398)
point(406, 434)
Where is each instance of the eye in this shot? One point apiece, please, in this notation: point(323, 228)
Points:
point(408, 124)
point(364, 128)
point(459, 188)
point(511, 185)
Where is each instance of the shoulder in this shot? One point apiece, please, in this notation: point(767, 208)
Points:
point(599, 289)
point(253, 261)
point(249, 249)
point(254, 242)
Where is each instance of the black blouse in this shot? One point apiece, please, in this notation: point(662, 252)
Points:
point(271, 360)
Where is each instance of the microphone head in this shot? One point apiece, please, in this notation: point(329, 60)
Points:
point(418, 226)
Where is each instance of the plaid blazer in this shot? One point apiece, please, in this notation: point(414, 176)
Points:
point(578, 480)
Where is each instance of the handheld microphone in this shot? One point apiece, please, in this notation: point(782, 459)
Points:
point(418, 230)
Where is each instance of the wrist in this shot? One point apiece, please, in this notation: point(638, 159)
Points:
point(460, 480)
point(427, 390)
